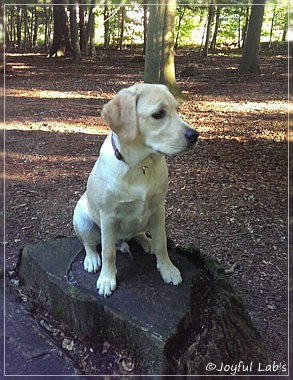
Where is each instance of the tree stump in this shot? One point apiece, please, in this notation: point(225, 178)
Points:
point(170, 329)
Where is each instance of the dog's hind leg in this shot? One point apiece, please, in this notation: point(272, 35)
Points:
point(90, 235)
point(145, 242)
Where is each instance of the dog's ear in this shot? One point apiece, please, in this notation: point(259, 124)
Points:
point(120, 114)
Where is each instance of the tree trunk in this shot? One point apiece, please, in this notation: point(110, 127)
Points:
point(159, 60)
point(123, 14)
point(154, 43)
point(208, 30)
point(250, 57)
point(61, 43)
point(74, 34)
point(91, 30)
point(167, 74)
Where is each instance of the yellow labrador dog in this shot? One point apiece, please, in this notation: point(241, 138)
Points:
point(127, 187)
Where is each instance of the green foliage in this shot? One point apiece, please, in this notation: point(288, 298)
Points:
point(191, 26)
point(279, 16)
point(232, 24)
point(133, 26)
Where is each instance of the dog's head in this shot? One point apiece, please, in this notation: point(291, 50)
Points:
point(148, 113)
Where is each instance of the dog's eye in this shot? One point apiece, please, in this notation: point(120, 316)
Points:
point(159, 115)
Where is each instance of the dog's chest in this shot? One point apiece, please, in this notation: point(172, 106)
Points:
point(143, 189)
point(143, 192)
point(133, 215)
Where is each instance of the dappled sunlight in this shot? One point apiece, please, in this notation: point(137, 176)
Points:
point(239, 112)
point(48, 167)
point(240, 121)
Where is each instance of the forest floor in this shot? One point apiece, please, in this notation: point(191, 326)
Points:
point(229, 196)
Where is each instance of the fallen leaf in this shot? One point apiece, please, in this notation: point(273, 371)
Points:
point(68, 344)
point(105, 348)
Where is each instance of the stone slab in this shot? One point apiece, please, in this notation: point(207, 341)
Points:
point(144, 314)
point(26, 353)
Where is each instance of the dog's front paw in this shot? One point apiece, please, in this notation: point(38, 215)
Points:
point(92, 263)
point(170, 274)
point(106, 285)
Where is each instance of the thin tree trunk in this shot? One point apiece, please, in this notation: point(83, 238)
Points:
point(217, 25)
point(181, 15)
point(35, 27)
point(18, 25)
point(123, 14)
point(244, 32)
point(284, 34)
point(145, 27)
point(208, 30)
point(272, 27)
point(106, 27)
point(239, 29)
point(82, 31)
point(91, 30)
point(25, 26)
point(12, 28)
point(74, 34)
point(46, 40)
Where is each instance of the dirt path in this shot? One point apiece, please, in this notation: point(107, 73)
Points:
point(229, 196)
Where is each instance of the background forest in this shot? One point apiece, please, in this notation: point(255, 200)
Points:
point(157, 29)
point(124, 26)
point(80, 29)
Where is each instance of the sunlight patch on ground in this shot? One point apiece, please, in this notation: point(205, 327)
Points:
point(44, 157)
point(50, 94)
point(19, 66)
point(247, 106)
point(58, 127)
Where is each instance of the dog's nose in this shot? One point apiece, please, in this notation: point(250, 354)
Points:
point(191, 135)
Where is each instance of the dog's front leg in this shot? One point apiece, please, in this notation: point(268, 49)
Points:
point(169, 272)
point(106, 283)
